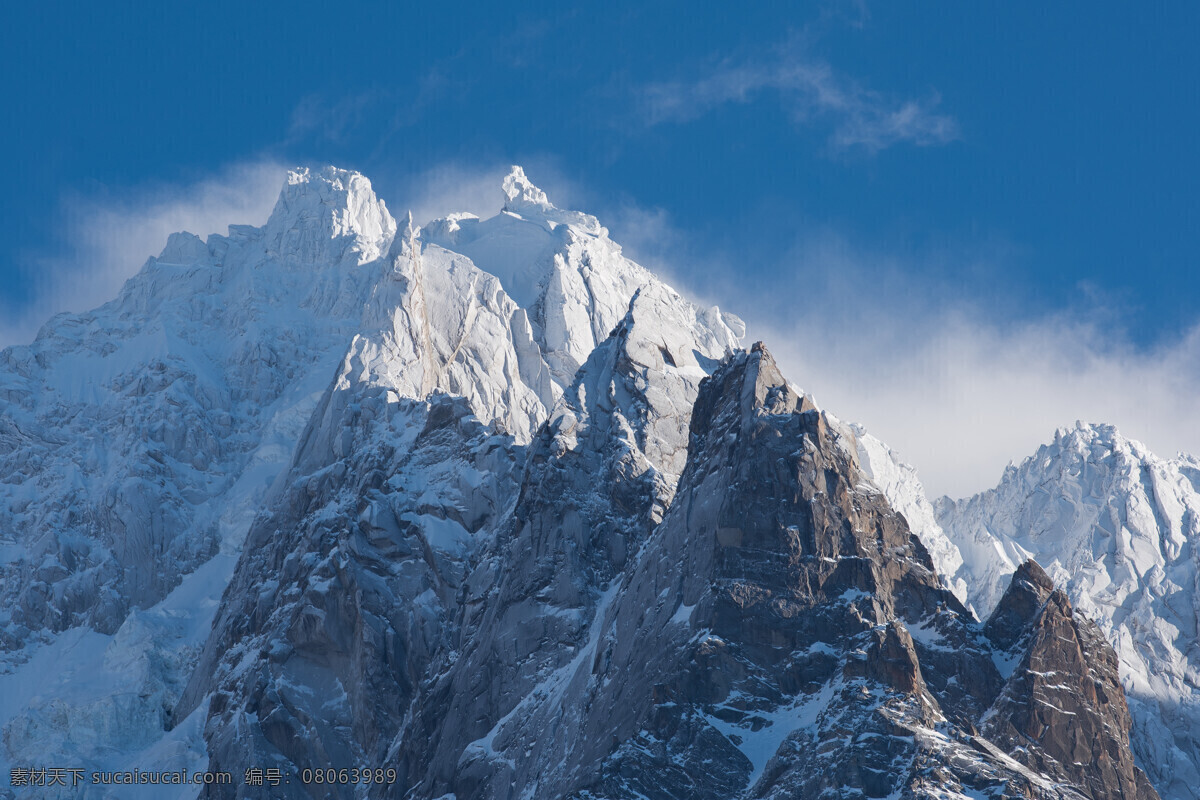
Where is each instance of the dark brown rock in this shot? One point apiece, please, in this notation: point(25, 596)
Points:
point(1063, 708)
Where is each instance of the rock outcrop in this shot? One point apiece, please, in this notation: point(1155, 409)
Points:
point(1064, 695)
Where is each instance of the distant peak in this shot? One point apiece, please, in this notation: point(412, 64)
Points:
point(339, 188)
point(298, 175)
point(183, 248)
point(519, 192)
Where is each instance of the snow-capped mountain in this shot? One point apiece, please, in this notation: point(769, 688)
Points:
point(138, 438)
point(141, 439)
point(1118, 528)
point(486, 503)
point(138, 443)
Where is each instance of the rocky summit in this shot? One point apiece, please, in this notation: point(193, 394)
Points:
point(481, 509)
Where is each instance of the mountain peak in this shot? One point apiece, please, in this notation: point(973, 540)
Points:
point(1092, 443)
point(328, 215)
point(519, 192)
point(1090, 432)
point(503, 481)
point(526, 201)
point(183, 248)
point(1028, 590)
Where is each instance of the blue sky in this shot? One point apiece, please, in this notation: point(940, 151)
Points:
point(921, 205)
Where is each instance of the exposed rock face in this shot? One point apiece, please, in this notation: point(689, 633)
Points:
point(317, 664)
point(1064, 695)
point(762, 646)
point(757, 616)
point(599, 477)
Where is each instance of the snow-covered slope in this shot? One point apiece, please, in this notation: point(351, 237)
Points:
point(1119, 529)
point(377, 541)
point(138, 438)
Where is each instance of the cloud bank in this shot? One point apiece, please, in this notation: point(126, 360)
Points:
point(960, 397)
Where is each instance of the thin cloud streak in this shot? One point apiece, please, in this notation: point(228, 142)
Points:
point(814, 93)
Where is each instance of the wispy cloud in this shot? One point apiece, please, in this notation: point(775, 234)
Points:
point(111, 235)
point(959, 386)
point(332, 118)
point(813, 92)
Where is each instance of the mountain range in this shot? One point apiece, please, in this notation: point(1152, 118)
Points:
point(487, 505)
